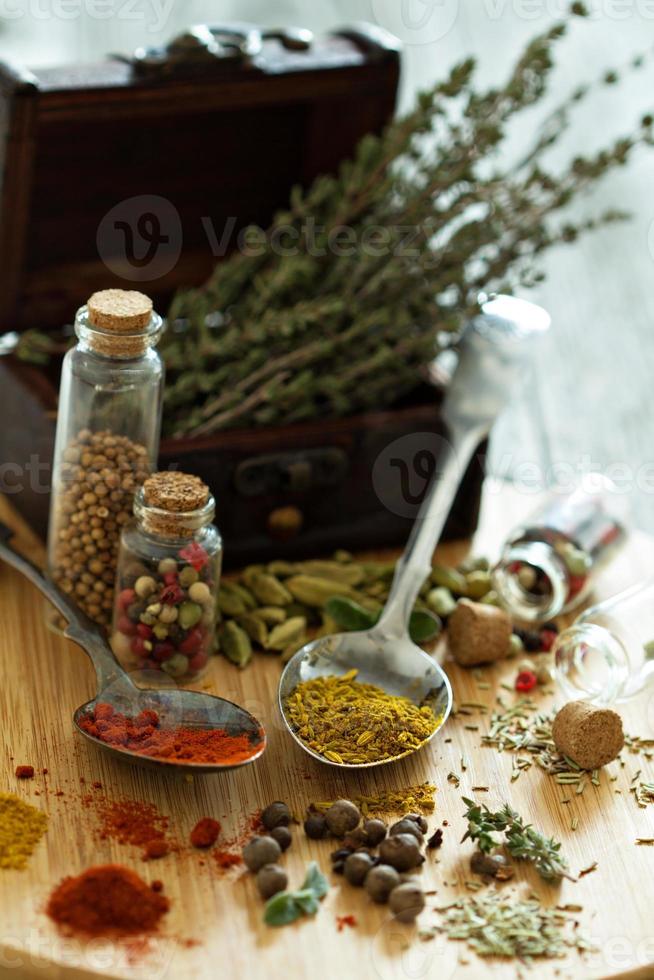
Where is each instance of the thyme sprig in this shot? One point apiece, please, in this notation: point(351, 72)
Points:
point(522, 840)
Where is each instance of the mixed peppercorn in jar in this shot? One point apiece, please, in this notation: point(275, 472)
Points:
point(168, 574)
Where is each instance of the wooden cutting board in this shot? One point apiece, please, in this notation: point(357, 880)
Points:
point(215, 925)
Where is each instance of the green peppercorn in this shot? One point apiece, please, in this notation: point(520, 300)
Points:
point(176, 666)
point(190, 614)
point(188, 576)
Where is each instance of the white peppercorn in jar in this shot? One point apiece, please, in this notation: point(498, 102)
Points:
point(107, 442)
point(167, 578)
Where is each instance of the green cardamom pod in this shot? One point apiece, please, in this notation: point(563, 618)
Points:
point(424, 626)
point(350, 574)
point(450, 579)
point(271, 615)
point(349, 615)
point(286, 633)
point(239, 590)
point(281, 569)
point(249, 573)
point(343, 556)
point(478, 584)
point(255, 628)
point(441, 601)
point(229, 604)
point(314, 591)
point(236, 644)
point(269, 590)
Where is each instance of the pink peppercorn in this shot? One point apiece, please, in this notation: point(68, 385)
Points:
point(526, 681)
point(547, 638)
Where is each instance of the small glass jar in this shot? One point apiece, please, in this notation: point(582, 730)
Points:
point(167, 579)
point(607, 655)
point(107, 441)
point(548, 564)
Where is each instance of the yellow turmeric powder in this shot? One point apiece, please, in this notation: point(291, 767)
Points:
point(21, 828)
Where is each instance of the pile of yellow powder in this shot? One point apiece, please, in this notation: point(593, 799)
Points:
point(21, 828)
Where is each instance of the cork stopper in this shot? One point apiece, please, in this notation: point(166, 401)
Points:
point(119, 321)
point(175, 492)
point(590, 735)
point(478, 633)
point(120, 310)
point(168, 497)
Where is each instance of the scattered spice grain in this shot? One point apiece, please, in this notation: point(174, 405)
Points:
point(205, 833)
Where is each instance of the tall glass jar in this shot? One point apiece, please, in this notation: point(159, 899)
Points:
point(167, 579)
point(107, 441)
point(549, 563)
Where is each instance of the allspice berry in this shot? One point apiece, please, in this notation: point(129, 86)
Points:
point(271, 879)
point(276, 814)
point(357, 866)
point(589, 735)
point(283, 837)
point(401, 851)
point(380, 882)
point(315, 826)
point(260, 851)
point(341, 817)
point(375, 831)
point(407, 901)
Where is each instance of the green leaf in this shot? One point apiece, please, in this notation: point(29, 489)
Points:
point(424, 626)
point(306, 900)
point(316, 881)
point(349, 614)
point(281, 909)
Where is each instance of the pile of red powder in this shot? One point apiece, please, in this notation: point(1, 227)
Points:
point(142, 735)
point(108, 900)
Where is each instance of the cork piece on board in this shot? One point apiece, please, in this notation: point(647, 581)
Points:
point(478, 633)
point(589, 735)
point(178, 493)
point(120, 310)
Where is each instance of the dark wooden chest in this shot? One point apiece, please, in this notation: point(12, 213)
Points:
point(141, 173)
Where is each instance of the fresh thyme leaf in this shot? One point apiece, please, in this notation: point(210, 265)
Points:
point(522, 840)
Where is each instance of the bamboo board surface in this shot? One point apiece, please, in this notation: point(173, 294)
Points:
point(43, 678)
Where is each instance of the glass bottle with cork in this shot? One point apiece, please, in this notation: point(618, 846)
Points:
point(167, 579)
point(107, 441)
point(549, 563)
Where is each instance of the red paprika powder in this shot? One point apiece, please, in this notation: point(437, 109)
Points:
point(205, 833)
point(108, 900)
point(142, 735)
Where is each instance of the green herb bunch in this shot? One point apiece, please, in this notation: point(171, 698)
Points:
point(522, 841)
point(425, 217)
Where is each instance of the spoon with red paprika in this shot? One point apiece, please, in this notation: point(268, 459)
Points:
point(151, 726)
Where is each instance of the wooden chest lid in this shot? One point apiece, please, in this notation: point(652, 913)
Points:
point(144, 170)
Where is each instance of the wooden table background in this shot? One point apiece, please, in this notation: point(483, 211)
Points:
point(43, 678)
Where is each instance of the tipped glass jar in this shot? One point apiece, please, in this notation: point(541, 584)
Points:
point(167, 579)
point(548, 565)
point(607, 655)
point(107, 442)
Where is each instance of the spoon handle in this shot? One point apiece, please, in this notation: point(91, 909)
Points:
point(80, 628)
point(416, 563)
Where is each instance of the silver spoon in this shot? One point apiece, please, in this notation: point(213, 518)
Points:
point(175, 707)
point(492, 354)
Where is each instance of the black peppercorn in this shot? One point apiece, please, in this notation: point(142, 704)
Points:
point(315, 826)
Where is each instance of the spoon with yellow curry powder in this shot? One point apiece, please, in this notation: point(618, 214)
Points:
point(366, 698)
